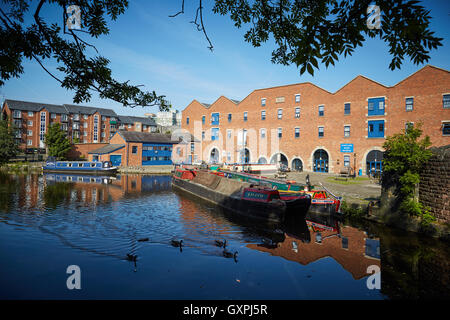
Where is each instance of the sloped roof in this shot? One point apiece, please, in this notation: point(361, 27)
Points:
point(132, 119)
point(72, 108)
point(35, 106)
point(146, 137)
point(107, 149)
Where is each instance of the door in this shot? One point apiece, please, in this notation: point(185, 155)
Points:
point(116, 160)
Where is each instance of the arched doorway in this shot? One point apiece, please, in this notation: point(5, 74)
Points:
point(374, 162)
point(244, 156)
point(282, 159)
point(214, 156)
point(297, 165)
point(320, 161)
point(262, 160)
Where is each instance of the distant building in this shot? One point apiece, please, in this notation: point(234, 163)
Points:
point(82, 124)
point(166, 118)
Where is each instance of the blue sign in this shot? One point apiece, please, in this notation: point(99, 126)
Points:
point(347, 147)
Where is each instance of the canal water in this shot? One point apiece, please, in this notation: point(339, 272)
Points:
point(51, 222)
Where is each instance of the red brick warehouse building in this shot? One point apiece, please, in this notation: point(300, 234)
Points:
point(310, 128)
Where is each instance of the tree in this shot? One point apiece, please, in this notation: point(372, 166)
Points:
point(307, 32)
point(57, 142)
point(8, 145)
point(403, 159)
point(41, 41)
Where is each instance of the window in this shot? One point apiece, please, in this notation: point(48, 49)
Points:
point(30, 122)
point(95, 128)
point(134, 149)
point(64, 126)
point(280, 113)
point(103, 126)
point(280, 132)
point(346, 161)
point(29, 142)
point(17, 114)
point(321, 132)
point(103, 134)
point(409, 104)
point(103, 118)
point(187, 121)
point(263, 133)
point(64, 117)
point(130, 125)
point(53, 115)
point(376, 129)
point(85, 134)
point(446, 101)
point(229, 134)
point(85, 125)
point(263, 102)
point(245, 115)
point(42, 126)
point(297, 132)
point(229, 117)
point(76, 117)
point(263, 115)
point(192, 147)
point(321, 111)
point(376, 106)
point(29, 132)
point(347, 108)
point(215, 119)
point(203, 119)
point(203, 135)
point(85, 116)
point(214, 133)
point(297, 98)
point(297, 112)
point(346, 131)
point(30, 113)
point(446, 129)
point(228, 156)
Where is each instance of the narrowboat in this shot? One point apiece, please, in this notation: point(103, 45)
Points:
point(239, 197)
point(91, 167)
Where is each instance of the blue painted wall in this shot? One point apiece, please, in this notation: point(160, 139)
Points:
point(156, 154)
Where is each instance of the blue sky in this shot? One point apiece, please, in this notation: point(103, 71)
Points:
point(170, 56)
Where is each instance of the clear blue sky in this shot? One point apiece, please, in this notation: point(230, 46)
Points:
point(170, 56)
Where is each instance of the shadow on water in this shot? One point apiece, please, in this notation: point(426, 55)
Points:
point(102, 217)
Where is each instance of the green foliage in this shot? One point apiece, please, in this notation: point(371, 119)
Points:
point(403, 159)
point(44, 39)
point(8, 145)
point(308, 32)
point(352, 210)
point(57, 142)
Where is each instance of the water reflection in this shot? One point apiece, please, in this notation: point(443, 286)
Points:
point(121, 218)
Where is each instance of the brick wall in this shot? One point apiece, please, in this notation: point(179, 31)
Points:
point(82, 149)
point(434, 187)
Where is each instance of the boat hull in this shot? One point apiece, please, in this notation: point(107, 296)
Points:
point(274, 211)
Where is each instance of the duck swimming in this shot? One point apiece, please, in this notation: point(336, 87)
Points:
point(228, 254)
point(143, 239)
point(177, 243)
point(221, 244)
point(131, 257)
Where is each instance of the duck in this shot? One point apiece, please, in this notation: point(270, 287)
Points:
point(143, 239)
point(131, 257)
point(177, 243)
point(221, 244)
point(228, 254)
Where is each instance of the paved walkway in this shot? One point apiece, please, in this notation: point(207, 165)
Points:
point(359, 190)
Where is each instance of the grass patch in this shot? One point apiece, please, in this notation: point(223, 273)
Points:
point(357, 180)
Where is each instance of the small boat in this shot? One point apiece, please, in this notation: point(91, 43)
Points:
point(92, 167)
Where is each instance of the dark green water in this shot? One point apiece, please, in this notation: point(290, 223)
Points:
point(46, 226)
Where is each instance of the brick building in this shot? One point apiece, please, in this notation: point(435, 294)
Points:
point(83, 124)
point(309, 128)
point(136, 149)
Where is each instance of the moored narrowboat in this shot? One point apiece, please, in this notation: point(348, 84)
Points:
point(91, 167)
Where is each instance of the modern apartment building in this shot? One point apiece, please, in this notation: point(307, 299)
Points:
point(82, 124)
point(309, 128)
